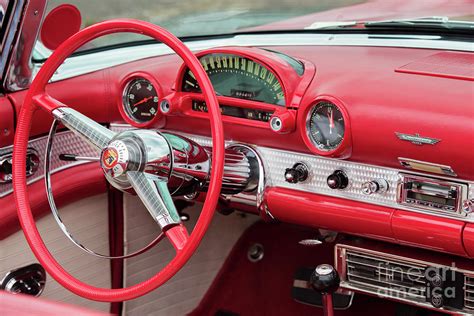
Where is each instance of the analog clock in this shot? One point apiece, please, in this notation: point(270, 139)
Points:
point(326, 126)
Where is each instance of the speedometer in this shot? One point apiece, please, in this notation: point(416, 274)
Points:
point(238, 77)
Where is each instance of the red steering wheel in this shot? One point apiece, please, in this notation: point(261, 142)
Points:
point(36, 98)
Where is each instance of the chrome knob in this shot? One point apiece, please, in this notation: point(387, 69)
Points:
point(338, 180)
point(298, 173)
point(375, 186)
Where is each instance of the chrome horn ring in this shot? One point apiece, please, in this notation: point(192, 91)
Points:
point(57, 217)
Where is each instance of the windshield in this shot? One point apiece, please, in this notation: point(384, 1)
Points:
point(188, 18)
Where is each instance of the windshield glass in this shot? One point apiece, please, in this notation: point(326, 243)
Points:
point(186, 18)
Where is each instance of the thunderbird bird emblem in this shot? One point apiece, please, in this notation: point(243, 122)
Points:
point(417, 139)
point(110, 158)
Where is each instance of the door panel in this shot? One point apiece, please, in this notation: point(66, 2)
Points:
point(88, 220)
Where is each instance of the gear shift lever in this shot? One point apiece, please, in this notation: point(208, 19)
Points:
point(325, 280)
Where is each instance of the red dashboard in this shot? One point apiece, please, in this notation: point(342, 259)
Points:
point(379, 101)
point(394, 122)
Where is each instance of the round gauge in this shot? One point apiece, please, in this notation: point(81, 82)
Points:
point(140, 100)
point(325, 125)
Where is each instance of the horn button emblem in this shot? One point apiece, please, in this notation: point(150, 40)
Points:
point(114, 159)
point(110, 158)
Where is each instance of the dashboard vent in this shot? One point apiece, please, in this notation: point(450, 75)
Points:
point(404, 279)
point(469, 292)
point(385, 276)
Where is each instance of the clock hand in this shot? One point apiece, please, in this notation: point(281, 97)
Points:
point(331, 122)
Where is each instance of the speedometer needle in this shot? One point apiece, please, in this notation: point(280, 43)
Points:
point(143, 101)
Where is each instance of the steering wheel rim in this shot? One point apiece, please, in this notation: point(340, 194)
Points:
point(31, 103)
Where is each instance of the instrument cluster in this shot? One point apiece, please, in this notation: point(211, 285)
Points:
point(254, 87)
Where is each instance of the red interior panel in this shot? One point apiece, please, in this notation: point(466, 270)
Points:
point(7, 121)
point(419, 230)
point(331, 213)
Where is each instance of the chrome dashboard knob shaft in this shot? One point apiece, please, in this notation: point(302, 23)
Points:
point(375, 186)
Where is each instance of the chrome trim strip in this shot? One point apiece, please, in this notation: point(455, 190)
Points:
point(20, 71)
point(79, 65)
point(11, 28)
point(419, 164)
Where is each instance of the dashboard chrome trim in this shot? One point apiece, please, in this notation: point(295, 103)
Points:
point(424, 165)
point(79, 65)
point(276, 161)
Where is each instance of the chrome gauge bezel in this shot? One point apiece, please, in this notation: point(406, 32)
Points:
point(310, 136)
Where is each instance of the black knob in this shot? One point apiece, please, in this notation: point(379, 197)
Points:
point(298, 173)
point(325, 279)
point(338, 180)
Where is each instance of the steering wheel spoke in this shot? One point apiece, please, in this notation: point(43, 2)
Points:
point(91, 131)
point(88, 129)
point(154, 194)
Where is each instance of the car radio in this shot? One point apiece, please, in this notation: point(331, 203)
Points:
point(431, 194)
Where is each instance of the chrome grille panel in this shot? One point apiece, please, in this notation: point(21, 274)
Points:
point(386, 277)
point(469, 292)
point(399, 278)
point(236, 172)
